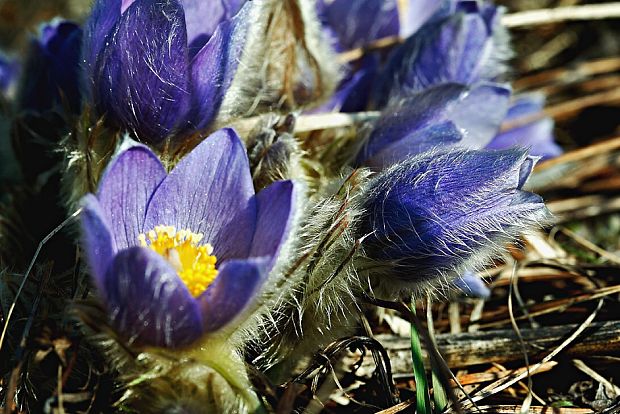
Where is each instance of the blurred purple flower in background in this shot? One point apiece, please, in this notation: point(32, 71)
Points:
point(9, 74)
point(175, 256)
point(51, 73)
point(536, 134)
point(157, 67)
point(443, 212)
point(461, 43)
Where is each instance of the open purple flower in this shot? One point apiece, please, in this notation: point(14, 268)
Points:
point(441, 213)
point(537, 134)
point(157, 67)
point(461, 43)
point(445, 115)
point(178, 255)
point(52, 69)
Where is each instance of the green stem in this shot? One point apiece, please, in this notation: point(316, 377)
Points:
point(423, 401)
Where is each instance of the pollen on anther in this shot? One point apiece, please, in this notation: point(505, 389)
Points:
point(194, 263)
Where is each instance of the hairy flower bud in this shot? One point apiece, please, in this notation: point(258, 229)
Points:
point(436, 215)
point(52, 70)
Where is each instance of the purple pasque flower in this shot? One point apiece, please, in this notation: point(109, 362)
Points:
point(444, 115)
point(351, 24)
point(443, 212)
point(179, 255)
point(461, 43)
point(536, 134)
point(51, 75)
point(158, 67)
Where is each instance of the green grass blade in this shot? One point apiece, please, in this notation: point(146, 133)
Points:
point(439, 393)
point(423, 401)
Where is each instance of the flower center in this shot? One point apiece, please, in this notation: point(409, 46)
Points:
point(195, 264)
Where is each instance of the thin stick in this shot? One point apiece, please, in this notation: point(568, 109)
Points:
point(590, 246)
point(502, 385)
point(604, 147)
point(30, 266)
point(562, 14)
point(581, 366)
point(308, 123)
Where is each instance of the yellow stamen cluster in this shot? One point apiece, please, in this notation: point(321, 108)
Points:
point(195, 264)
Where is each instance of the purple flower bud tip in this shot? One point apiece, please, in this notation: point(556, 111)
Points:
point(178, 255)
point(171, 74)
point(442, 212)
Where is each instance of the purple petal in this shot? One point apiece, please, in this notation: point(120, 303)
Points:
point(210, 191)
point(125, 190)
point(215, 65)
point(103, 17)
point(358, 22)
point(434, 114)
point(126, 4)
point(407, 117)
point(148, 303)
point(418, 13)
point(453, 50)
point(232, 293)
point(275, 209)
point(141, 80)
point(353, 93)
point(480, 113)
point(472, 285)
point(96, 239)
point(537, 135)
point(434, 136)
point(202, 17)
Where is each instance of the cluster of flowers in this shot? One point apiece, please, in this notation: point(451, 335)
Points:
point(192, 257)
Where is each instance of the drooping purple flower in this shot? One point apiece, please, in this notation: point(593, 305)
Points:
point(449, 114)
point(443, 212)
point(51, 75)
point(157, 67)
point(537, 135)
point(178, 255)
point(459, 44)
